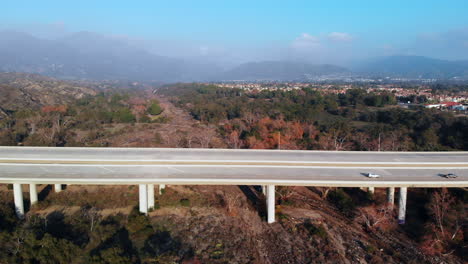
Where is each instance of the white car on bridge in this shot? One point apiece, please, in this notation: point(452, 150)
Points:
point(372, 175)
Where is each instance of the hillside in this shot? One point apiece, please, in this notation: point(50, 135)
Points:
point(416, 67)
point(226, 224)
point(21, 90)
point(208, 224)
point(280, 71)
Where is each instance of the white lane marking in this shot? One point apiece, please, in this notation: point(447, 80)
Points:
point(228, 166)
point(172, 168)
point(102, 167)
point(384, 172)
point(221, 161)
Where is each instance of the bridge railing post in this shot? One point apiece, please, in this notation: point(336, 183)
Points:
point(58, 188)
point(18, 197)
point(161, 188)
point(143, 195)
point(150, 196)
point(33, 193)
point(271, 203)
point(391, 195)
point(402, 205)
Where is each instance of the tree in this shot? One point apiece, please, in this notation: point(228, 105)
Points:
point(205, 138)
point(335, 139)
point(154, 108)
point(373, 216)
point(233, 139)
point(439, 206)
point(447, 223)
point(123, 115)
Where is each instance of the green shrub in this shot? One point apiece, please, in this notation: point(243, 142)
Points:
point(342, 201)
point(123, 115)
point(315, 230)
point(144, 119)
point(185, 202)
point(154, 108)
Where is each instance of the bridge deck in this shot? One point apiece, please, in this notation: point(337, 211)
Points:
point(221, 166)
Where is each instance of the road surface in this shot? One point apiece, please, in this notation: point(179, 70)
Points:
point(226, 167)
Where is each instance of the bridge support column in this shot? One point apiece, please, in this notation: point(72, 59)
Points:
point(402, 205)
point(33, 193)
point(371, 190)
point(18, 197)
point(58, 188)
point(150, 196)
point(271, 203)
point(161, 188)
point(391, 195)
point(143, 194)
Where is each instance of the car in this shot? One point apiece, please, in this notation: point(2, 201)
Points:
point(450, 176)
point(372, 175)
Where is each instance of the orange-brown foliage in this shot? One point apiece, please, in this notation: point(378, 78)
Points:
point(56, 108)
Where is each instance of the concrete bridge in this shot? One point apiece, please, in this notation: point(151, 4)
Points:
point(147, 167)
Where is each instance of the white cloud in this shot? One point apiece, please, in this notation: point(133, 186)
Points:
point(340, 37)
point(306, 40)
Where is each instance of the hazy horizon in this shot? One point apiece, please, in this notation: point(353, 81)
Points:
point(228, 34)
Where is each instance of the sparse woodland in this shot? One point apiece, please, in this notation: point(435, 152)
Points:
point(226, 224)
point(307, 119)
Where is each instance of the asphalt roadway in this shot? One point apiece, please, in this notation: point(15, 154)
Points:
point(43, 165)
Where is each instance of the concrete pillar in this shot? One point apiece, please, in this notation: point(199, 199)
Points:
point(271, 203)
point(18, 197)
point(58, 188)
point(143, 194)
point(161, 187)
point(371, 190)
point(391, 195)
point(33, 193)
point(150, 196)
point(402, 205)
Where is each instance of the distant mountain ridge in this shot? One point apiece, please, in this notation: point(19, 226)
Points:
point(416, 67)
point(88, 55)
point(91, 56)
point(84, 55)
point(280, 71)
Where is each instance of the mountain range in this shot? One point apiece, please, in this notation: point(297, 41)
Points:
point(415, 67)
point(84, 55)
point(87, 55)
point(280, 70)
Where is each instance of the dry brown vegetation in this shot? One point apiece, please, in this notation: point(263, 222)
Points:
point(226, 224)
point(177, 130)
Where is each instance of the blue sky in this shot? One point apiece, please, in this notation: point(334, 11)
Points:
point(308, 29)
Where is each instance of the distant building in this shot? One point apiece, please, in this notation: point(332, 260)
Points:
point(460, 107)
point(447, 105)
point(433, 106)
